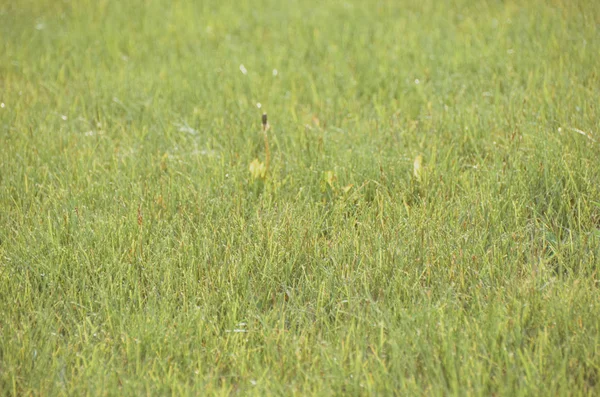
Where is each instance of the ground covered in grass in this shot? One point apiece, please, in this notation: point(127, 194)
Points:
point(426, 219)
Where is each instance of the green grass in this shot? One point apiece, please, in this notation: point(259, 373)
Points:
point(139, 255)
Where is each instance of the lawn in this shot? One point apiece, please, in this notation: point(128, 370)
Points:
point(420, 217)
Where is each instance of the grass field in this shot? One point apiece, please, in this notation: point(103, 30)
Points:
point(425, 220)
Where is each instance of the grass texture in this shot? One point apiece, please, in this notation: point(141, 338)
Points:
point(425, 219)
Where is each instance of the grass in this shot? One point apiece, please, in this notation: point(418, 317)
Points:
point(428, 222)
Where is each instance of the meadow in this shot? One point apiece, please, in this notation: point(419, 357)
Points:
point(421, 217)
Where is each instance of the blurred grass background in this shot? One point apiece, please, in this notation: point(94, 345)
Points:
point(139, 255)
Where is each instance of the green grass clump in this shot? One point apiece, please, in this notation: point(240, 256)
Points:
point(426, 220)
